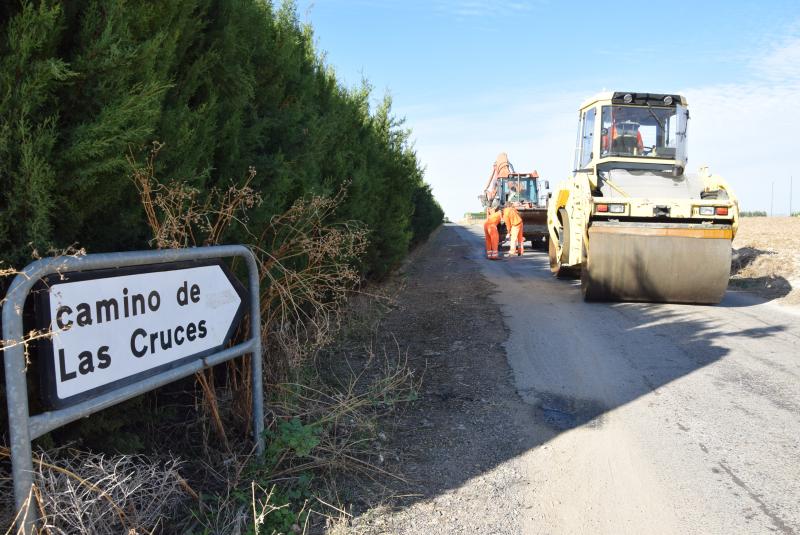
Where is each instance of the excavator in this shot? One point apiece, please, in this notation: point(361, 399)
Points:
point(630, 220)
point(525, 191)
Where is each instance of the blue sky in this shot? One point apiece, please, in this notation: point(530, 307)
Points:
point(476, 77)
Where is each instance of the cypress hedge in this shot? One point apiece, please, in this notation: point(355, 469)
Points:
point(225, 85)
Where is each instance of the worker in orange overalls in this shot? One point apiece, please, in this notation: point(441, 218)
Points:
point(514, 226)
point(490, 232)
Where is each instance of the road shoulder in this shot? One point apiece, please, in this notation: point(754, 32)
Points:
point(457, 447)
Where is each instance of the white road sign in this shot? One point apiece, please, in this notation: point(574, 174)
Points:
point(111, 329)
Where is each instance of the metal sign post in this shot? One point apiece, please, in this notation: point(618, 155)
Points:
point(123, 324)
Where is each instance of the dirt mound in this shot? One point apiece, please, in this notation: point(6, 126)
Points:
point(766, 257)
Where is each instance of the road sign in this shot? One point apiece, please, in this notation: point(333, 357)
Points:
point(189, 277)
point(115, 327)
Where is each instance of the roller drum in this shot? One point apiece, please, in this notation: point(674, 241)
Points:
point(657, 262)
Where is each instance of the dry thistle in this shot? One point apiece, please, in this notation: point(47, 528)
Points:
point(180, 215)
point(86, 493)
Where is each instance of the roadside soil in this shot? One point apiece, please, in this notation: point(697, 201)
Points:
point(766, 258)
point(456, 448)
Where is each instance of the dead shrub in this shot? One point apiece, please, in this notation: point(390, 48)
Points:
point(180, 215)
point(306, 267)
point(78, 492)
point(307, 272)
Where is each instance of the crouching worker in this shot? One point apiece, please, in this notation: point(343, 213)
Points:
point(514, 226)
point(490, 232)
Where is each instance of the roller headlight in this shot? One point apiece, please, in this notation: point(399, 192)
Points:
point(609, 208)
point(616, 208)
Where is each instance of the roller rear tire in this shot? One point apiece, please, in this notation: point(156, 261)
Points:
point(557, 266)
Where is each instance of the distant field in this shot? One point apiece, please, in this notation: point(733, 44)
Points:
point(767, 257)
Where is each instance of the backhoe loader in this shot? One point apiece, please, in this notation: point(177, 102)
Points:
point(524, 191)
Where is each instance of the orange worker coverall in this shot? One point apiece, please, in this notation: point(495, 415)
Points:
point(491, 235)
point(615, 135)
point(514, 226)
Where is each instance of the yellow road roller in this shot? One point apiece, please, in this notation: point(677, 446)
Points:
point(630, 220)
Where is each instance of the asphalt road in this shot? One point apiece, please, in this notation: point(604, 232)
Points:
point(651, 418)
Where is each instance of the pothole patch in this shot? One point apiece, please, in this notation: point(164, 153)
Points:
point(563, 412)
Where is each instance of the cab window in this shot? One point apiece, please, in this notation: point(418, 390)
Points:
point(587, 137)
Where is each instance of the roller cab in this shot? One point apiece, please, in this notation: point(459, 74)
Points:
point(630, 220)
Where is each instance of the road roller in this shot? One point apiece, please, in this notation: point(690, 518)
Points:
point(630, 221)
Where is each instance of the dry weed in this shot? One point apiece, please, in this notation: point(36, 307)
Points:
point(85, 493)
point(345, 406)
point(180, 215)
point(306, 275)
point(6, 274)
point(306, 268)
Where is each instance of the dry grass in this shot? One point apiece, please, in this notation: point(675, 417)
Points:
point(78, 492)
point(346, 409)
point(767, 257)
point(131, 494)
